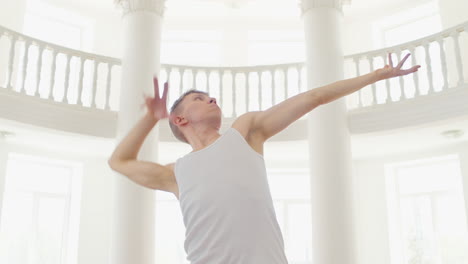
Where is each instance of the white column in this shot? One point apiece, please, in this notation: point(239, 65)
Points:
point(463, 155)
point(133, 221)
point(3, 163)
point(329, 137)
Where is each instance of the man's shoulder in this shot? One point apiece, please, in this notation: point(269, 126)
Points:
point(244, 122)
point(247, 126)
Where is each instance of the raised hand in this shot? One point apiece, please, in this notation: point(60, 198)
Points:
point(157, 106)
point(389, 71)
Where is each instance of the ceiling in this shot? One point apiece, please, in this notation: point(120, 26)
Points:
point(259, 7)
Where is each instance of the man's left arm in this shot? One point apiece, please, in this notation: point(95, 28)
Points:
point(273, 120)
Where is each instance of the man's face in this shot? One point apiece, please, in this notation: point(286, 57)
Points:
point(198, 107)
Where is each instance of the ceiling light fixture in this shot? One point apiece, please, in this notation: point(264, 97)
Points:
point(456, 133)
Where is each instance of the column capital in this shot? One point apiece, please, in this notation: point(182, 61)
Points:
point(128, 6)
point(306, 5)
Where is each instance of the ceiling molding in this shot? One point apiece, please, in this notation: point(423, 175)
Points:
point(306, 5)
point(129, 6)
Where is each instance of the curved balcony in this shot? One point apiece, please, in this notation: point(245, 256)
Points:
point(78, 92)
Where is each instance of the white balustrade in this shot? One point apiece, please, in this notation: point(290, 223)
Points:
point(230, 92)
point(435, 67)
point(37, 68)
point(37, 62)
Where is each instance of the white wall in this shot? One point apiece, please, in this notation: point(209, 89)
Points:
point(453, 12)
point(371, 202)
point(11, 14)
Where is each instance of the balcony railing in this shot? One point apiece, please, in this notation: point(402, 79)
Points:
point(37, 68)
point(239, 89)
point(41, 69)
point(443, 57)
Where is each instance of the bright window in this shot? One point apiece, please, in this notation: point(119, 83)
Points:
point(407, 25)
point(61, 27)
point(191, 47)
point(275, 47)
point(40, 211)
point(427, 212)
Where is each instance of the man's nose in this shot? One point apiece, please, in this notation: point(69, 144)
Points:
point(213, 100)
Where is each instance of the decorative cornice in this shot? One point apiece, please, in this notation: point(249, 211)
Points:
point(128, 6)
point(306, 5)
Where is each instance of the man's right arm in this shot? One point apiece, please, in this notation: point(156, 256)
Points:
point(149, 174)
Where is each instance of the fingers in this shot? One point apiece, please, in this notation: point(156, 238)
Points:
point(410, 70)
point(166, 88)
point(390, 62)
point(156, 87)
point(403, 61)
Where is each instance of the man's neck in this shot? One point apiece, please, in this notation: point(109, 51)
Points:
point(201, 138)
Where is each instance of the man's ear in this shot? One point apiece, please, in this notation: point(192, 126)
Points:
point(178, 120)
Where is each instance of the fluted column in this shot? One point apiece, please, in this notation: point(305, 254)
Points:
point(329, 137)
point(133, 221)
point(3, 162)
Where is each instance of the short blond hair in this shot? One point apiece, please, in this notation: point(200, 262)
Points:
point(175, 108)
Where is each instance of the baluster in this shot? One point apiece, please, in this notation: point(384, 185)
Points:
point(429, 67)
point(38, 70)
point(247, 88)
point(94, 87)
point(181, 83)
point(358, 73)
point(285, 83)
point(402, 82)
point(260, 90)
point(461, 80)
point(67, 77)
point(374, 87)
point(194, 78)
point(107, 93)
point(388, 99)
point(443, 61)
point(162, 70)
point(272, 72)
point(415, 75)
point(79, 100)
point(10, 62)
point(234, 114)
point(52, 72)
point(207, 74)
point(25, 65)
point(169, 72)
point(221, 72)
point(299, 79)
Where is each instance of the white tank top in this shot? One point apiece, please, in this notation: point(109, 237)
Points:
point(227, 206)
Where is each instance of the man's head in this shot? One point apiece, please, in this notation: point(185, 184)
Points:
point(192, 107)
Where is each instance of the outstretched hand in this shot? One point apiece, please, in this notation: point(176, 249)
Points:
point(389, 71)
point(157, 105)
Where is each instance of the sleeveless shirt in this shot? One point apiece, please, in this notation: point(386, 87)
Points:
point(226, 205)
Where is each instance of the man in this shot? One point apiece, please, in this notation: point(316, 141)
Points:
point(222, 185)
